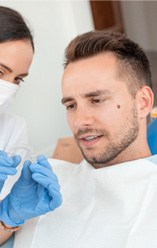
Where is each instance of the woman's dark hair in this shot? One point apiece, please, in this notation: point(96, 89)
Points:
point(13, 26)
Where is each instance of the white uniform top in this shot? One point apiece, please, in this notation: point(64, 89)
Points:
point(112, 207)
point(13, 132)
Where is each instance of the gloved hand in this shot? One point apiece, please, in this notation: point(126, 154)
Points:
point(35, 193)
point(7, 166)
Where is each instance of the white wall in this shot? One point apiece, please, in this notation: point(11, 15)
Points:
point(54, 24)
point(140, 18)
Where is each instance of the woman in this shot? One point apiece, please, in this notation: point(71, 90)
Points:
point(16, 53)
point(37, 191)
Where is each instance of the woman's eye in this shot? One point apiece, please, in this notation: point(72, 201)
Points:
point(1, 73)
point(18, 80)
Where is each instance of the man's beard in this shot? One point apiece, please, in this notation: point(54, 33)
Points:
point(116, 145)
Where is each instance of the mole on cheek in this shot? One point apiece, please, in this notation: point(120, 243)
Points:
point(118, 106)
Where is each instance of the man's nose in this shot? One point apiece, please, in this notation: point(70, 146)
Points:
point(83, 118)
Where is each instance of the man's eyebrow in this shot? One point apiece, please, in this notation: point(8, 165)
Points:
point(87, 95)
point(97, 93)
point(66, 99)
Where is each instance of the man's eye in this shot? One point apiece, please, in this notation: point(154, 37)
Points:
point(70, 106)
point(97, 100)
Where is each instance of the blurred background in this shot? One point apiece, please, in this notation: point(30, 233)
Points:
point(54, 24)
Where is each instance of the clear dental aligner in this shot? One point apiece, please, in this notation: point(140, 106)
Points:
point(24, 148)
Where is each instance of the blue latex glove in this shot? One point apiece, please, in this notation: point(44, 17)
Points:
point(7, 166)
point(35, 193)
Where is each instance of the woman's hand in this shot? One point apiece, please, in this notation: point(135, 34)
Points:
point(36, 192)
point(7, 166)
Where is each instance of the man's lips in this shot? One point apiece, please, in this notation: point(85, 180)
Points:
point(89, 140)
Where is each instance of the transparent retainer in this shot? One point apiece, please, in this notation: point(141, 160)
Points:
point(23, 149)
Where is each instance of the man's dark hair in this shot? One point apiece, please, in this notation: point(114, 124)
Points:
point(13, 26)
point(133, 64)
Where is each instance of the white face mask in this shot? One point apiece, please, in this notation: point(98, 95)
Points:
point(7, 91)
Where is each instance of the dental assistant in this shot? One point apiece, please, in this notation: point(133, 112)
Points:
point(39, 190)
point(16, 53)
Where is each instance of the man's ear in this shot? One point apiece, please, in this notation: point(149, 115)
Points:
point(145, 100)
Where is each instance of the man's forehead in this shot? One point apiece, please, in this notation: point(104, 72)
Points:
point(93, 65)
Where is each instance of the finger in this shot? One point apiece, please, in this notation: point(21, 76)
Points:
point(7, 171)
point(5, 160)
point(41, 169)
point(9, 161)
point(26, 173)
point(56, 200)
point(3, 153)
point(3, 177)
point(17, 160)
point(42, 160)
point(46, 181)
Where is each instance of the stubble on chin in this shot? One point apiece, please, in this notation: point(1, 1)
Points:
point(115, 146)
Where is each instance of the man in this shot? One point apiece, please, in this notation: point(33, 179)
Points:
point(109, 200)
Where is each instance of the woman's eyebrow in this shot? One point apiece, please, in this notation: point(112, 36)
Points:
point(6, 67)
point(10, 70)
